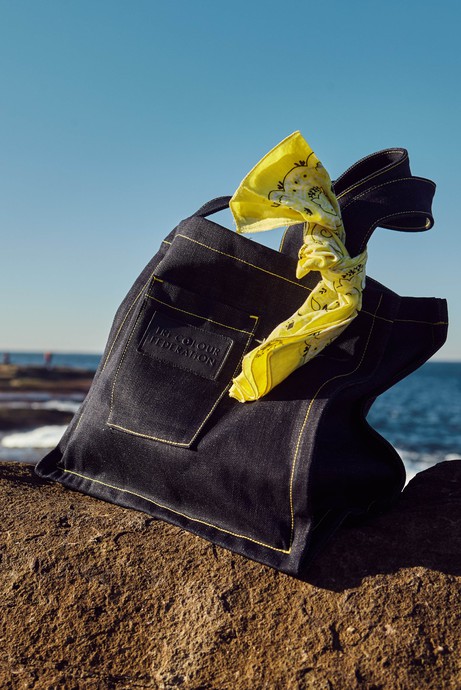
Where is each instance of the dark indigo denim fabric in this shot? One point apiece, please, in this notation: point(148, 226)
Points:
point(270, 479)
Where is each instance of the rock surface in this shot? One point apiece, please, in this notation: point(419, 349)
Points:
point(97, 596)
point(20, 386)
point(13, 418)
point(17, 378)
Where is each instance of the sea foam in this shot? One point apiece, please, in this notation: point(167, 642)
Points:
point(43, 437)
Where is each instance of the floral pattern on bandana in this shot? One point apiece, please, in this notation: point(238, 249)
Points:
point(290, 185)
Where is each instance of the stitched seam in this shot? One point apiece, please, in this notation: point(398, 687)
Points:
point(372, 176)
point(282, 241)
point(298, 445)
point(166, 242)
point(199, 315)
point(417, 227)
point(121, 326)
point(130, 431)
point(112, 396)
point(228, 386)
point(264, 270)
point(384, 184)
point(427, 323)
point(126, 316)
point(117, 334)
point(376, 223)
point(152, 438)
point(369, 157)
point(176, 512)
point(220, 529)
point(186, 444)
point(381, 318)
point(79, 420)
point(156, 438)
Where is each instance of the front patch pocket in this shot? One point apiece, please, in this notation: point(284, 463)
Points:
point(178, 363)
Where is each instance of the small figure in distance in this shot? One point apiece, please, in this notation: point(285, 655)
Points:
point(47, 358)
point(6, 359)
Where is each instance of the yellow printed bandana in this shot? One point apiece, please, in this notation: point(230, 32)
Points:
point(290, 185)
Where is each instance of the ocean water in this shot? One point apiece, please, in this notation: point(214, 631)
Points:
point(61, 359)
point(420, 416)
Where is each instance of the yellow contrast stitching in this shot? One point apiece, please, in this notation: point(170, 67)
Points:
point(125, 318)
point(118, 333)
point(156, 438)
point(371, 177)
point(177, 512)
point(112, 396)
point(264, 270)
point(426, 323)
point(166, 242)
point(152, 438)
point(384, 184)
point(376, 223)
point(237, 368)
point(187, 443)
point(199, 316)
point(381, 318)
point(79, 419)
point(298, 445)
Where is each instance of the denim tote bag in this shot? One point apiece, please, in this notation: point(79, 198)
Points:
point(271, 479)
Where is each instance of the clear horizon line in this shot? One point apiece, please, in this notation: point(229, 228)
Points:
point(13, 351)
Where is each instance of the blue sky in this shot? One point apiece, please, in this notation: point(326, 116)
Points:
point(117, 119)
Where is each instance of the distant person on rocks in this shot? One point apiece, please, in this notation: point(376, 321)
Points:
point(6, 359)
point(47, 358)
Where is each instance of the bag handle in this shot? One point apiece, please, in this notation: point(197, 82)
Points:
point(378, 190)
point(400, 204)
point(220, 203)
point(389, 163)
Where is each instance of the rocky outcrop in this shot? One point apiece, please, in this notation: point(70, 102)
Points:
point(17, 378)
point(96, 596)
point(25, 385)
point(29, 418)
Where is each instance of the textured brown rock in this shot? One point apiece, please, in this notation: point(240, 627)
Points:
point(96, 596)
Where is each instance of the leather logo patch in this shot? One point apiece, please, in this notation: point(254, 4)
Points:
point(185, 346)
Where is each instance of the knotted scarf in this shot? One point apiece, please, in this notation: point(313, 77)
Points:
point(290, 185)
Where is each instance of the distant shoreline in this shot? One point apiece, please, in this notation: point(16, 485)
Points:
point(18, 384)
point(18, 378)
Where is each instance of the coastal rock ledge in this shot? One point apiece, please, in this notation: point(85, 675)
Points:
point(97, 596)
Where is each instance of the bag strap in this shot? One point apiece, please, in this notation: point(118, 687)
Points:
point(378, 190)
point(390, 163)
point(213, 206)
point(402, 204)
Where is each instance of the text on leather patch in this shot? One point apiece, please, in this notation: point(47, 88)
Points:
point(183, 345)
